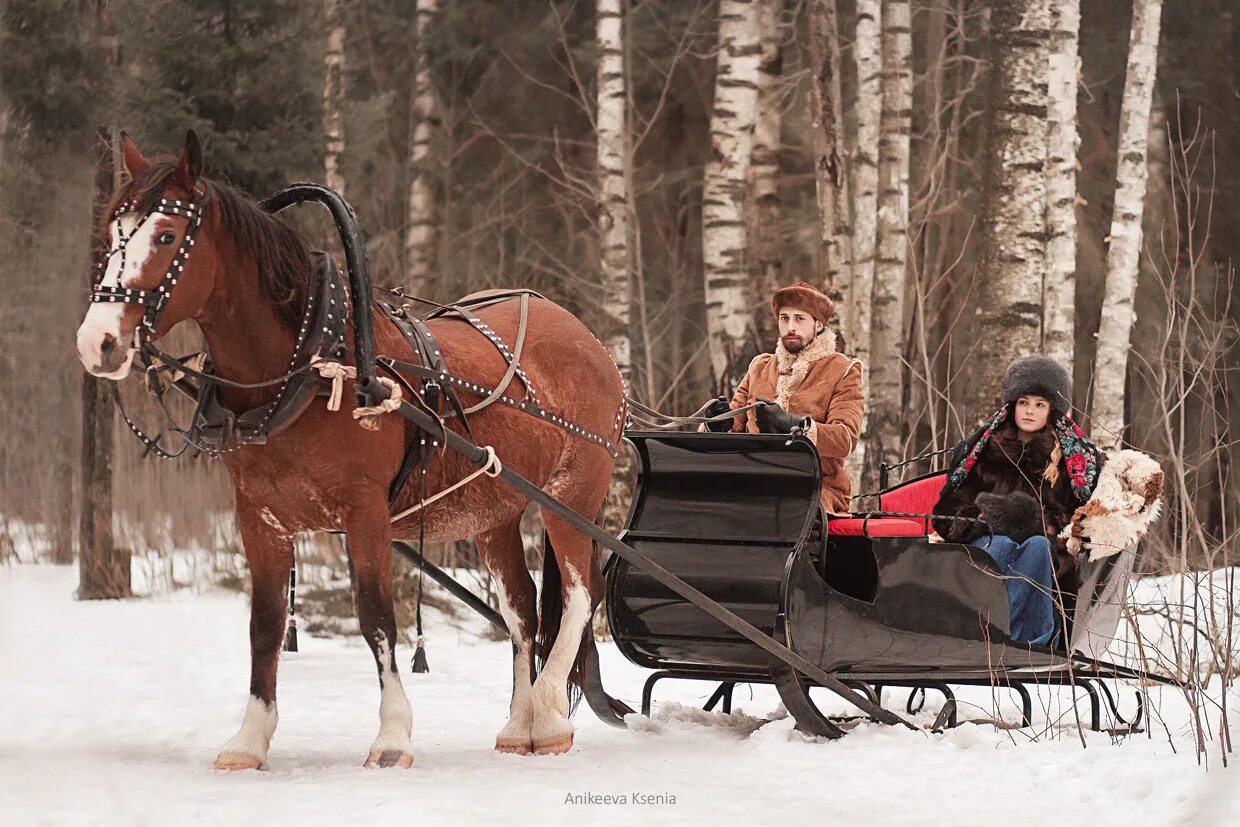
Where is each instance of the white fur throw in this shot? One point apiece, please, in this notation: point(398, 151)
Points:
point(1126, 501)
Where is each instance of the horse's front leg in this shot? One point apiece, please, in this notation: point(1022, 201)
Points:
point(370, 549)
point(270, 554)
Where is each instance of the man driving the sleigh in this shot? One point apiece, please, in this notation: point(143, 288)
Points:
point(805, 386)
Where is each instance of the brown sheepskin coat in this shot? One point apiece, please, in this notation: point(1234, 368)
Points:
point(820, 383)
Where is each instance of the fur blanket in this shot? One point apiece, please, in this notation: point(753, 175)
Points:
point(1125, 503)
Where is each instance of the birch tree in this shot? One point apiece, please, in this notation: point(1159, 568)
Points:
point(827, 126)
point(612, 184)
point(333, 95)
point(420, 229)
point(1012, 259)
point(858, 308)
point(766, 247)
point(1124, 253)
point(1062, 142)
point(886, 384)
point(867, 51)
point(729, 315)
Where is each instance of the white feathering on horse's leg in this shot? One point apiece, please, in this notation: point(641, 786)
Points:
point(393, 746)
point(515, 736)
point(248, 748)
point(552, 731)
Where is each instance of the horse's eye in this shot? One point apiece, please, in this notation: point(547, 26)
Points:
point(167, 237)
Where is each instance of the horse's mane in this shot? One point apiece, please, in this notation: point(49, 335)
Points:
point(279, 252)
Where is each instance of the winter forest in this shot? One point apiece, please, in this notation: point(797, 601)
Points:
point(970, 181)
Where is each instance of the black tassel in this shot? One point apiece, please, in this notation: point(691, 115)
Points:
point(419, 658)
point(420, 666)
point(290, 636)
point(290, 639)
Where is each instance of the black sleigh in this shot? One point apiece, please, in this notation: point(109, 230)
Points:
point(869, 599)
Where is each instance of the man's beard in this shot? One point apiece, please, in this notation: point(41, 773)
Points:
point(794, 345)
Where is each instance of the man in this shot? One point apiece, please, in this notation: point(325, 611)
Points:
point(808, 387)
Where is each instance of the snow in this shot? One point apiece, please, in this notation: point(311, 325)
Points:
point(112, 712)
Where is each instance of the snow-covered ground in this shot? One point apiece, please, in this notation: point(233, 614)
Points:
point(112, 712)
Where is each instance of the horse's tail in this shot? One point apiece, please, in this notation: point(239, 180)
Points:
point(551, 610)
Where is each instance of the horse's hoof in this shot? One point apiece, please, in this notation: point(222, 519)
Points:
point(513, 746)
point(390, 758)
point(236, 761)
point(554, 747)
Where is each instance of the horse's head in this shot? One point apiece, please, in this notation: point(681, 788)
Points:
point(146, 285)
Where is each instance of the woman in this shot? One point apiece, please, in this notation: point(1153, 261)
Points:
point(1024, 473)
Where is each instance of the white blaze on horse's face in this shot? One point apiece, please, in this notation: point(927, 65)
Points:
point(106, 350)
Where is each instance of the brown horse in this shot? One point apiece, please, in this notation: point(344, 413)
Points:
point(245, 285)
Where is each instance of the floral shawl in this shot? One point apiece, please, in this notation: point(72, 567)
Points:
point(1081, 457)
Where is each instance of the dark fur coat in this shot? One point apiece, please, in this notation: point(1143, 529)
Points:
point(1007, 465)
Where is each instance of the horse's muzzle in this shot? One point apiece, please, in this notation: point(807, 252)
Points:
point(111, 361)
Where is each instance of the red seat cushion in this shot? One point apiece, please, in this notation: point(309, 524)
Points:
point(875, 527)
point(916, 497)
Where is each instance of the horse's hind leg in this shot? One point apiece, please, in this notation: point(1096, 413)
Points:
point(552, 731)
point(504, 555)
point(270, 555)
point(370, 550)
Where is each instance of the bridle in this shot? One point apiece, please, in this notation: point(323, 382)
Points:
point(155, 301)
point(214, 430)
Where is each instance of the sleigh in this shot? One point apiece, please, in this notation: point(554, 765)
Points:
point(869, 598)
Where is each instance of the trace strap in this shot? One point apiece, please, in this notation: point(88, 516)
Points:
point(492, 468)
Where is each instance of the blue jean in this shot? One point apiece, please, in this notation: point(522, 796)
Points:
point(1029, 576)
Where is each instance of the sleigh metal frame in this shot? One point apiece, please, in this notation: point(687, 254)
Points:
point(878, 607)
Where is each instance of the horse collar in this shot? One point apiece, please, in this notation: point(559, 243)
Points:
point(321, 333)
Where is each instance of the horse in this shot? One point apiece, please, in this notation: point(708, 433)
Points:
point(245, 285)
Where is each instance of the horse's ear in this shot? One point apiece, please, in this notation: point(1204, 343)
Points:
point(189, 167)
point(135, 164)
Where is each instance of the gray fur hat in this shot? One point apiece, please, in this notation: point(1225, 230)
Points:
point(1041, 376)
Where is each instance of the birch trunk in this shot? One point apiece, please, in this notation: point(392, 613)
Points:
point(830, 180)
point(855, 325)
point(1063, 140)
point(1123, 256)
point(766, 261)
point(1012, 258)
point(886, 368)
point(729, 315)
point(867, 49)
point(420, 231)
point(333, 95)
point(613, 199)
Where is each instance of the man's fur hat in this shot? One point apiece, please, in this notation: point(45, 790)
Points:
point(804, 296)
point(1038, 376)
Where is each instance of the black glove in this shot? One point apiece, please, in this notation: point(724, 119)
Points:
point(1016, 516)
point(716, 406)
point(773, 419)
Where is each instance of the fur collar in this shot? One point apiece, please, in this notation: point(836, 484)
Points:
point(1036, 453)
point(794, 367)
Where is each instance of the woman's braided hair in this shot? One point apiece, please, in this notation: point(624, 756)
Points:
point(1051, 474)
